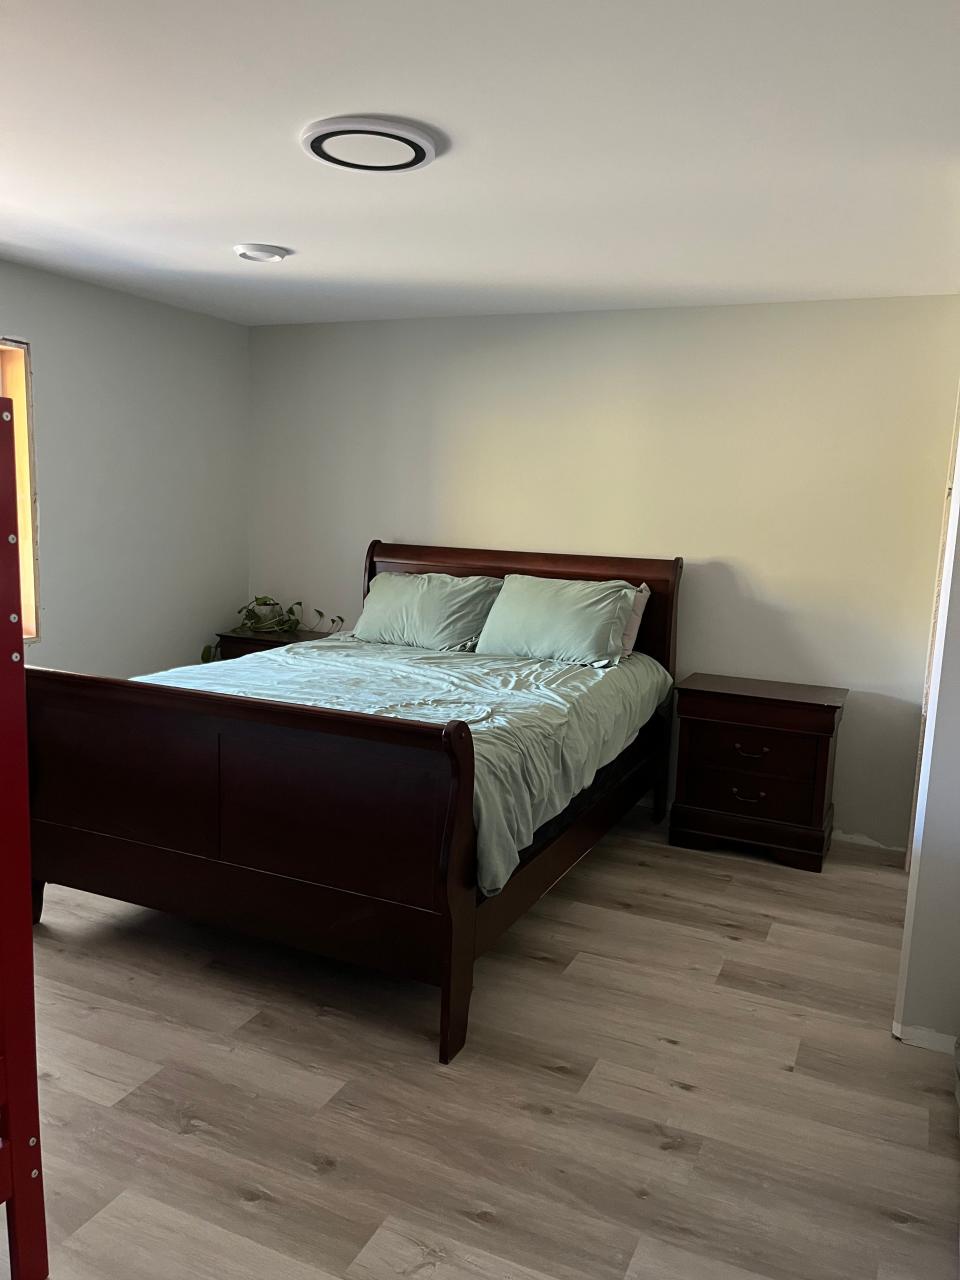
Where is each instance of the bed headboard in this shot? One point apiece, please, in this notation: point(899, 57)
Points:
point(658, 629)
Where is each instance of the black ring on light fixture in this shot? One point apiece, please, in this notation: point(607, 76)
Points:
point(418, 140)
point(319, 150)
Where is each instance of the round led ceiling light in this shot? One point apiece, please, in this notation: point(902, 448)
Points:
point(372, 144)
point(261, 252)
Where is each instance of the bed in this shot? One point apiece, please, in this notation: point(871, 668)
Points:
point(348, 833)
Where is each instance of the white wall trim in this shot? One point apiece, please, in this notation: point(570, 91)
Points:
point(934, 672)
point(865, 842)
point(924, 1038)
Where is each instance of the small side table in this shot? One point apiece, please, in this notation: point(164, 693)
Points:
point(755, 767)
point(234, 644)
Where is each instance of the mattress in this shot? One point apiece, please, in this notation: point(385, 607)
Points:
point(541, 729)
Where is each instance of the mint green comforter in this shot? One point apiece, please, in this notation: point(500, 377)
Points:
point(541, 729)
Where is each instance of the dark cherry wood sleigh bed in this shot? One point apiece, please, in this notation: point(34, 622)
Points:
point(345, 834)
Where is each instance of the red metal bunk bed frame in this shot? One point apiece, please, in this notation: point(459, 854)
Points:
point(21, 1177)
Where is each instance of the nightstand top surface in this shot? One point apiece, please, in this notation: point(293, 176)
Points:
point(272, 637)
point(770, 690)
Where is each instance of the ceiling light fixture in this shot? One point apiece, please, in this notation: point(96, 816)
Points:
point(261, 252)
point(376, 144)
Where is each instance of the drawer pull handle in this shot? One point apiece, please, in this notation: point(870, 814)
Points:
point(751, 755)
point(748, 799)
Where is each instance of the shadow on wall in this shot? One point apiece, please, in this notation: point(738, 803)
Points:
point(346, 294)
point(876, 767)
point(726, 627)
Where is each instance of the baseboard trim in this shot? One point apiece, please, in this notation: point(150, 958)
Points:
point(865, 842)
point(925, 1038)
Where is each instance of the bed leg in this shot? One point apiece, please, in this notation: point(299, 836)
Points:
point(661, 777)
point(660, 797)
point(455, 992)
point(38, 887)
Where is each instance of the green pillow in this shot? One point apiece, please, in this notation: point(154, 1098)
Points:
point(426, 610)
point(569, 620)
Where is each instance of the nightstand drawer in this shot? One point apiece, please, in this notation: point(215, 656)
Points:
point(737, 791)
point(766, 753)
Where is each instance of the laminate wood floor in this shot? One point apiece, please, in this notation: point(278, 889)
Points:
point(679, 1068)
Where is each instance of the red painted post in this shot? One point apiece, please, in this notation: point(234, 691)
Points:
point(20, 1124)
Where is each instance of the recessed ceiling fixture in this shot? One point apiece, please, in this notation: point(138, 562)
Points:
point(376, 144)
point(262, 252)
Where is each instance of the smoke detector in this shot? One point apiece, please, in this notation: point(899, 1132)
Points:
point(262, 252)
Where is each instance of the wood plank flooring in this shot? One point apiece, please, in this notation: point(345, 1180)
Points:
point(679, 1068)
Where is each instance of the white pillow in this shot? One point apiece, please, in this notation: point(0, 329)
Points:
point(632, 629)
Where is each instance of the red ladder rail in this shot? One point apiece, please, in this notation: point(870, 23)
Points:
point(21, 1176)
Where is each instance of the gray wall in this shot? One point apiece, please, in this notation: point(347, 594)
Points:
point(140, 433)
point(795, 455)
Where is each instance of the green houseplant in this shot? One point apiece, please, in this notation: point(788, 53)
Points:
point(266, 615)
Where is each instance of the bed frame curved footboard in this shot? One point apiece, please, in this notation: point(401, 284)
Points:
point(348, 835)
point(345, 834)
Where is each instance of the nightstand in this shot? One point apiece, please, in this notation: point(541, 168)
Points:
point(234, 644)
point(755, 767)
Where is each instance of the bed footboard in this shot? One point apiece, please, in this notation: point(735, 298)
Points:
point(350, 835)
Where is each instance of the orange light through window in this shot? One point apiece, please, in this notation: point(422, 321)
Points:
point(15, 383)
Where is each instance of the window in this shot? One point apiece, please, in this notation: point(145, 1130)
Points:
point(15, 383)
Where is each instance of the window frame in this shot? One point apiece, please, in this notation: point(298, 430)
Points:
point(24, 444)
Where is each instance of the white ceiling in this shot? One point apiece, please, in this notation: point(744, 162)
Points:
point(602, 153)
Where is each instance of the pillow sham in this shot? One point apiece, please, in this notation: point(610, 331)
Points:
point(569, 620)
point(426, 610)
point(636, 617)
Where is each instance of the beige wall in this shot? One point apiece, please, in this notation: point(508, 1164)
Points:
point(795, 455)
point(140, 434)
